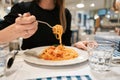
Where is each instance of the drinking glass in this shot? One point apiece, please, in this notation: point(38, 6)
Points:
point(4, 51)
point(90, 46)
point(14, 45)
point(101, 56)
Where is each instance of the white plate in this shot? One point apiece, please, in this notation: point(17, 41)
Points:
point(83, 56)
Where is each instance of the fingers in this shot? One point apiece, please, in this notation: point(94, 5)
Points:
point(93, 43)
point(29, 26)
point(29, 33)
point(26, 25)
point(31, 30)
point(28, 30)
point(26, 18)
point(26, 14)
point(84, 44)
point(81, 45)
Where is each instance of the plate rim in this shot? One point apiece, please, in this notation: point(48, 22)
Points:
point(56, 63)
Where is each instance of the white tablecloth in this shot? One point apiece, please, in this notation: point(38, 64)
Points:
point(22, 70)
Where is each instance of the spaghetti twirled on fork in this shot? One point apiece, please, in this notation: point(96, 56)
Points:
point(58, 31)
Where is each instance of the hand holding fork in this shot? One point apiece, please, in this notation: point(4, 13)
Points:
point(20, 15)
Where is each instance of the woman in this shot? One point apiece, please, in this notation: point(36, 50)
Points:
point(50, 11)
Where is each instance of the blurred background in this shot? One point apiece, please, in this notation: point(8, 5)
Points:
point(88, 16)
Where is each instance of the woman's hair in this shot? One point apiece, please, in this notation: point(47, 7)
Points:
point(60, 3)
point(114, 5)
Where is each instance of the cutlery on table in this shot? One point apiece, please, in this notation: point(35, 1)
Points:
point(11, 60)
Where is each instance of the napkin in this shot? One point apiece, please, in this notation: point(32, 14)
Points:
point(77, 77)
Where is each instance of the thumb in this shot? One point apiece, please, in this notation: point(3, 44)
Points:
point(26, 14)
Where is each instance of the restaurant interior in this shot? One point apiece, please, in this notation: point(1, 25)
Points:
point(86, 14)
point(89, 14)
point(91, 20)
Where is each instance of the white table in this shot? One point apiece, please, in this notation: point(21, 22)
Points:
point(22, 70)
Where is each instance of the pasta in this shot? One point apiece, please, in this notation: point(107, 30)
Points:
point(58, 31)
point(58, 53)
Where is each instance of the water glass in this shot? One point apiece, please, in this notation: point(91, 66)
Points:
point(4, 51)
point(100, 59)
point(90, 46)
point(14, 45)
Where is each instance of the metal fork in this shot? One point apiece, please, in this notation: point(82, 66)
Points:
point(45, 23)
point(20, 15)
